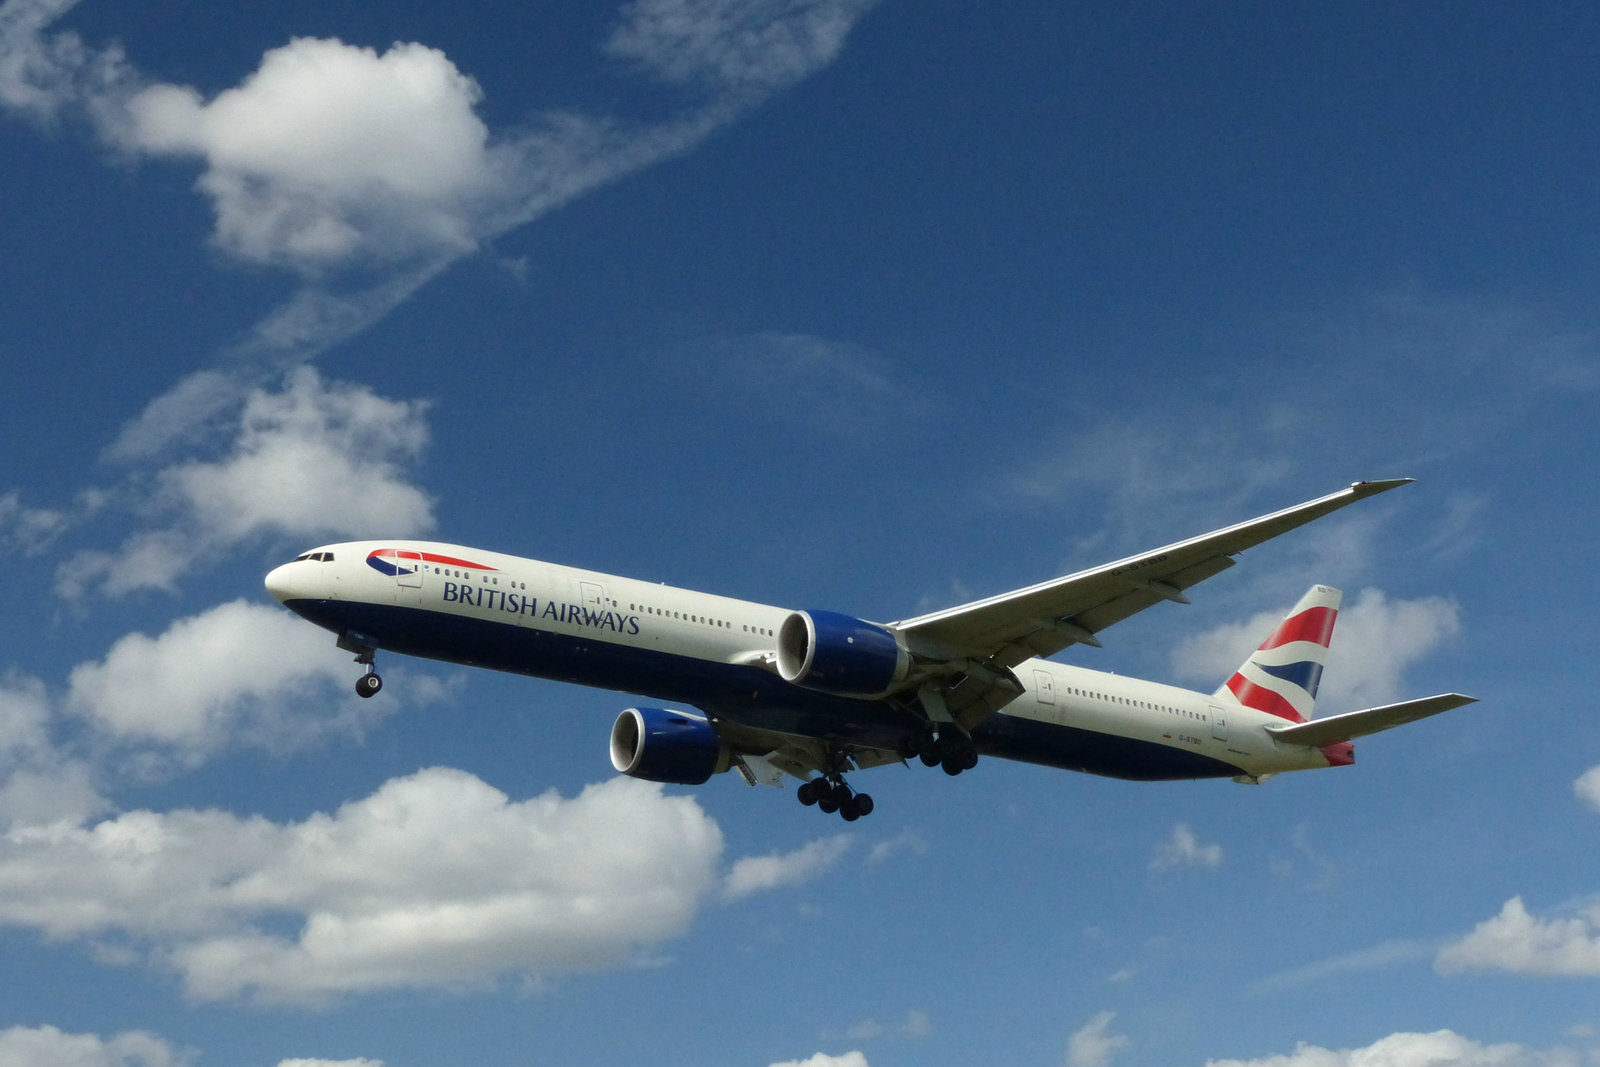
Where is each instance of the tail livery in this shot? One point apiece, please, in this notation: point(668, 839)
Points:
point(1281, 676)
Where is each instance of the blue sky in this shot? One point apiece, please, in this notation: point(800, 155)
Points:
point(875, 307)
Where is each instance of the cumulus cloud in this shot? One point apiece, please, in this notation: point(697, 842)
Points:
point(1519, 943)
point(313, 459)
point(1095, 1045)
point(1442, 1048)
point(1375, 641)
point(1183, 849)
point(317, 456)
point(436, 880)
point(238, 672)
point(46, 1046)
point(328, 150)
point(754, 874)
point(822, 1059)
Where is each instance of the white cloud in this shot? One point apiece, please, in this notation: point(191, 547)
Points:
point(822, 1059)
point(238, 672)
point(314, 459)
point(1442, 1048)
point(330, 151)
point(1588, 787)
point(330, 1063)
point(1517, 942)
point(318, 456)
point(1095, 1045)
point(38, 783)
point(1374, 642)
point(436, 880)
point(1183, 849)
point(46, 1046)
point(754, 874)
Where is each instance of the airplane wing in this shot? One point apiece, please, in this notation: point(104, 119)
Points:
point(1353, 724)
point(994, 635)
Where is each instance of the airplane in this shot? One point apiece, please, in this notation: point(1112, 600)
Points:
point(817, 694)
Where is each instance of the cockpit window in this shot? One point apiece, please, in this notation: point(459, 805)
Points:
point(315, 557)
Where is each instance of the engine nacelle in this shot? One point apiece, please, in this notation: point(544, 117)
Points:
point(837, 654)
point(657, 745)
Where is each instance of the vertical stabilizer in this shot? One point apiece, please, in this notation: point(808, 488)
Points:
point(1281, 676)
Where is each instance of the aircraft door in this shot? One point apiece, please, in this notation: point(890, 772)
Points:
point(408, 569)
point(1219, 723)
point(1044, 694)
point(592, 594)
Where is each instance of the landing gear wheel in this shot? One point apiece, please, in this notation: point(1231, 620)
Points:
point(862, 803)
point(810, 791)
point(368, 685)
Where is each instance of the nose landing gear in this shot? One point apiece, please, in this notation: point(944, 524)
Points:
point(368, 684)
point(365, 649)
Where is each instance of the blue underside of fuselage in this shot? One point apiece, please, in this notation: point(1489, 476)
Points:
point(748, 695)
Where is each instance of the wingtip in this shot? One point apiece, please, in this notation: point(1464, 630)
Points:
point(1381, 485)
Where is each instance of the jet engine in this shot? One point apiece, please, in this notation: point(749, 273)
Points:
point(837, 654)
point(658, 745)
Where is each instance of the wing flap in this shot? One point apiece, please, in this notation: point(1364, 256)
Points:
point(1353, 724)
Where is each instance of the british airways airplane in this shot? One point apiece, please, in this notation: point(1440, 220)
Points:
point(817, 694)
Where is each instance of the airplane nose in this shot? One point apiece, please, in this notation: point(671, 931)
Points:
point(279, 584)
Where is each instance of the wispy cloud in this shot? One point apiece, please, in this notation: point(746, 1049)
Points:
point(756, 874)
point(1184, 849)
point(1096, 1044)
point(1361, 961)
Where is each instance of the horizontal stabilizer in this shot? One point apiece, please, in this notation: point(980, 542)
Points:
point(1353, 724)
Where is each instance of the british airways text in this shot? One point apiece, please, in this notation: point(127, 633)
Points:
point(518, 604)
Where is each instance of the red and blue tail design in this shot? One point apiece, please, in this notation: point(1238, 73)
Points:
point(1281, 676)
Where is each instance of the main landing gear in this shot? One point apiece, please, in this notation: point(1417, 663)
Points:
point(949, 749)
point(830, 794)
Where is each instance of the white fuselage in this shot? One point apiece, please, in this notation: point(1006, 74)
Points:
point(466, 605)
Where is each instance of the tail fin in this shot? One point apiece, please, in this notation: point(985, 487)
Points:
point(1281, 676)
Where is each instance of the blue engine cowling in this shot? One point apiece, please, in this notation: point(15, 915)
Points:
point(837, 654)
point(667, 746)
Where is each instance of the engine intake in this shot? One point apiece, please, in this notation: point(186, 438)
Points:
point(837, 654)
point(658, 745)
